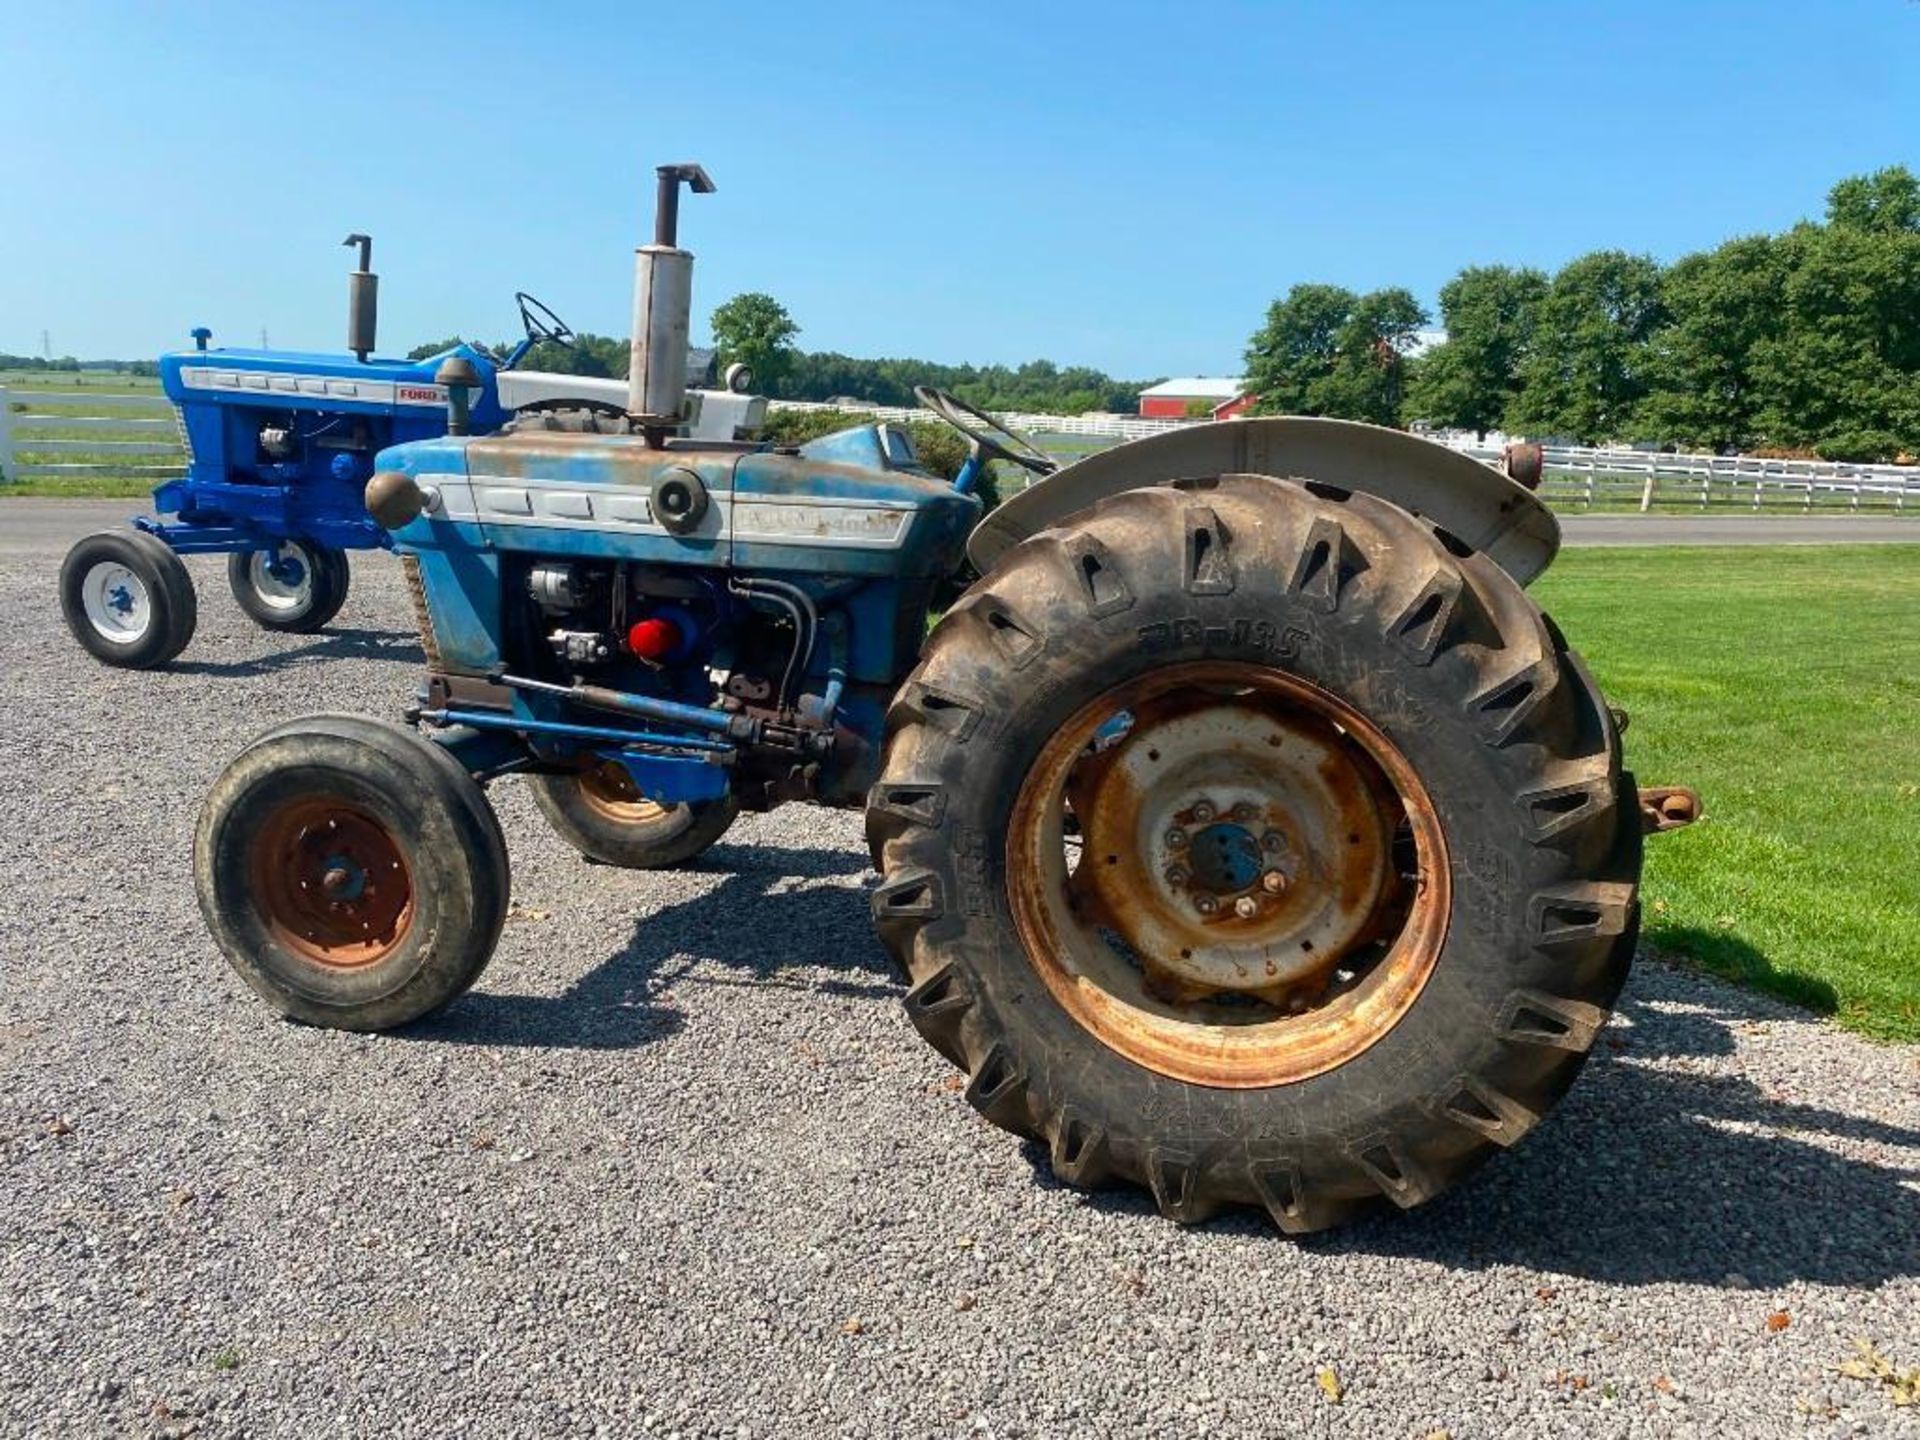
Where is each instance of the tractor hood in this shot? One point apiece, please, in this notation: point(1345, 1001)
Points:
point(298, 380)
point(756, 509)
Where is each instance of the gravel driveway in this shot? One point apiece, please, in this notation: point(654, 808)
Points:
point(679, 1165)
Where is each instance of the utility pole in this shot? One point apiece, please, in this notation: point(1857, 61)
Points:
point(263, 339)
point(46, 346)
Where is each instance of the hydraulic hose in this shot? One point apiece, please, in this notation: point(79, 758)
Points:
point(806, 623)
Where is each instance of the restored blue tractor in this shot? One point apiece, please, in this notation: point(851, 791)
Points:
point(1245, 831)
point(280, 446)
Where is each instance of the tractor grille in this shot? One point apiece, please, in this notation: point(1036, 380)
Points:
point(422, 616)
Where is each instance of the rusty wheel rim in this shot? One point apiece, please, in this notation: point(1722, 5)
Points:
point(609, 791)
point(333, 885)
point(1228, 875)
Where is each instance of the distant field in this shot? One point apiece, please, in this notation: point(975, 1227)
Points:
point(1784, 683)
point(94, 395)
point(93, 382)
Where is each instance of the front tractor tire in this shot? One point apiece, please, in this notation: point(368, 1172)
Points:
point(352, 872)
point(295, 588)
point(127, 599)
point(602, 815)
point(1259, 844)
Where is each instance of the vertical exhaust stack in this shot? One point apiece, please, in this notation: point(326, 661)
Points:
point(663, 310)
point(363, 299)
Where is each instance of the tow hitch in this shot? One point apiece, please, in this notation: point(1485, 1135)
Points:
point(1668, 807)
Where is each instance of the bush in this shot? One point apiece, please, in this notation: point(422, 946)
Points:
point(1860, 446)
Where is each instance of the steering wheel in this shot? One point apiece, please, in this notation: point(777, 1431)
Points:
point(540, 322)
point(995, 439)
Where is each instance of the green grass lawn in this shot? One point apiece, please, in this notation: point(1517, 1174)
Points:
point(102, 395)
point(1783, 683)
point(91, 382)
point(90, 487)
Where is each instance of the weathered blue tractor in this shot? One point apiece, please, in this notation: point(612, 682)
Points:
point(280, 446)
point(1245, 831)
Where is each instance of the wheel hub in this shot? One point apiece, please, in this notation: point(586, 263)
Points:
point(115, 601)
point(333, 884)
point(343, 880)
point(1227, 874)
point(1240, 849)
point(1226, 858)
point(285, 567)
point(280, 578)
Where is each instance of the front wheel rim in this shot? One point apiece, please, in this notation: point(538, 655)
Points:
point(331, 883)
point(609, 792)
point(1258, 889)
point(282, 579)
point(116, 602)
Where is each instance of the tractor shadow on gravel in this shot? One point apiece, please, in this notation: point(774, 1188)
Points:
point(399, 646)
point(1661, 1167)
point(769, 923)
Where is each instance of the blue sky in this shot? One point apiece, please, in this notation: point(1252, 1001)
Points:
point(1119, 185)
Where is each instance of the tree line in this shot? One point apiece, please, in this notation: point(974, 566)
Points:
point(754, 329)
point(1807, 341)
point(1802, 342)
point(1038, 387)
point(62, 364)
point(68, 365)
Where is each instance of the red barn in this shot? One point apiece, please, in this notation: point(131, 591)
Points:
point(1179, 399)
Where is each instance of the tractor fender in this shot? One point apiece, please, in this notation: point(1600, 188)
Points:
point(1471, 501)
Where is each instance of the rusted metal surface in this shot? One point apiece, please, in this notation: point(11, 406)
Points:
point(1244, 887)
point(608, 790)
point(422, 613)
point(1525, 463)
point(332, 885)
point(1668, 807)
point(394, 499)
point(1235, 849)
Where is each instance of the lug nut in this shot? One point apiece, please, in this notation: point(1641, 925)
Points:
point(1273, 882)
point(1243, 811)
point(1205, 904)
point(1176, 837)
point(1246, 907)
point(1176, 875)
point(1204, 811)
point(1273, 840)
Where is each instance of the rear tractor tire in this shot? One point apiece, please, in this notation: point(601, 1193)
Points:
point(601, 815)
point(127, 599)
point(1259, 844)
point(351, 872)
point(295, 588)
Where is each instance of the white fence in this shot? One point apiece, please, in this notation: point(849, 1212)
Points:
point(1615, 479)
point(1577, 476)
point(142, 439)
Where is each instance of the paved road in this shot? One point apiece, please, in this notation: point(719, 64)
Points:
point(1608, 530)
point(679, 1164)
point(34, 524)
